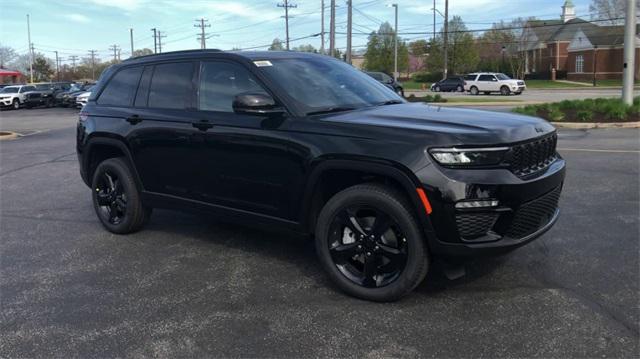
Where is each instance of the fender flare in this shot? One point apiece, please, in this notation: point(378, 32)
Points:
point(396, 172)
point(94, 141)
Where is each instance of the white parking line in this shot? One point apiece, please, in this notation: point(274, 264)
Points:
point(594, 150)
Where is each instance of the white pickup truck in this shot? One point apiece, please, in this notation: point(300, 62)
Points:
point(15, 96)
point(488, 82)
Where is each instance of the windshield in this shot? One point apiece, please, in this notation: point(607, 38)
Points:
point(10, 90)
point(502, 77)
point(75, 87)
point(320, 83)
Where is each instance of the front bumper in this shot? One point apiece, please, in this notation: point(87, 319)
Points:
point(526, 208)
point(6, 102)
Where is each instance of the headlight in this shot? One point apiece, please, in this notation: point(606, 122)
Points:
point(469, 156)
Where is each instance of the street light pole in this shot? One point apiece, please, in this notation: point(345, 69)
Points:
point(395, 45)
point(446, 38)
point(629, 67)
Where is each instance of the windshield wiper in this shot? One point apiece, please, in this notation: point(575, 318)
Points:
point(390, 102)
point(331, 110)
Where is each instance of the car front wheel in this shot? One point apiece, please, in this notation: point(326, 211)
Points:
point(16, 104)
point(474, 90)
point(460, 88)
point(436, 89)
point(116, 199)
point(370, 244)
point(504, 91)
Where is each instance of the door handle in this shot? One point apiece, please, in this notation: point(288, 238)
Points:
point(134, 119)
point(202, 126)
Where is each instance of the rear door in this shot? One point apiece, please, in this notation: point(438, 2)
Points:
point(249, 166)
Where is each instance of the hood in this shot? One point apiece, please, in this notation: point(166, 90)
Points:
point(460, 126)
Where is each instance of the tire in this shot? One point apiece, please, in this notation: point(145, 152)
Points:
point(436, 89)
point(518, 93)
point(459, 88)
point(15, 104)
point(345, 217)
point(487, 93)
point(400, 92)
point(504, 91)
point(116, 198)
point(474, 90)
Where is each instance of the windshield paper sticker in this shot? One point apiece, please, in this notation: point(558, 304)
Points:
point(263, 63)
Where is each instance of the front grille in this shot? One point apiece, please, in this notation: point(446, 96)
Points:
point(473, 225)
point(520, 83)
point(531, 157)
point(533, 215)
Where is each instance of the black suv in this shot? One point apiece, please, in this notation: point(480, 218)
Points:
point(449, 84)
point(388, 81)
point(305, 143)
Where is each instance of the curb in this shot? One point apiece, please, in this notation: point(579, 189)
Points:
point(586, 126)
point(474, 104)
point(6, 135)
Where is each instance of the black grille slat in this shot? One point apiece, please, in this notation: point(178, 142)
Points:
point(531, 157)
point(533, 215)
point(472, 225)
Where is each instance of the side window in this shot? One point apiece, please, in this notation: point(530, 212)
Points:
point(121, 88)
point(386, 78)
point(376, 76)
point(485, 78)
point(171, 86)
point(220, 82)
point(470, 77)
point(142, 95)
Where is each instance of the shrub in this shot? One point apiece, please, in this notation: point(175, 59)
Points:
point(599, 109)
point(427, 76)
point(584, 115)
point(615, 110)
point(427, 98)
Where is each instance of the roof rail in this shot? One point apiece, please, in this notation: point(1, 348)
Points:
point(174, 53)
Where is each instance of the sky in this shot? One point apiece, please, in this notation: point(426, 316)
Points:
point(72, 27)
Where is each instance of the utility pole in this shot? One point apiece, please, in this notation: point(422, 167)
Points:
point(349, 24)
point(160, 36)
point(286, 7)
point(445, 39)
point(30, 48)
point(131, 38)
point(395, 44)
point(332, 30)
point(73, 59)
point(203, 36)
point(155, 40)
point(115, 49)
point(57, 66)
point(92, 53)
point(433, 36)
point(322, 27)
point(629, 68)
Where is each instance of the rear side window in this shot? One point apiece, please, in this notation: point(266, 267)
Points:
point(470, 77)
point(486, 78)
point(121, 88)
point(220, 82)
point(171, 86)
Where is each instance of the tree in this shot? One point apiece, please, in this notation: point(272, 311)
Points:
point(496, 48)
point(42, 70)
point(142, 52)
point(276, 45)
point(305, 48)
point(462, 50)
point(419, 47)
point(609, 11)
point(7, 54)
point(380, 51)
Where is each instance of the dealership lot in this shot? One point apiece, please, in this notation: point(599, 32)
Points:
point(192, 286)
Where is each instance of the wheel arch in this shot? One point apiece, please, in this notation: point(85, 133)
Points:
point(321, 186)
point(99, 149)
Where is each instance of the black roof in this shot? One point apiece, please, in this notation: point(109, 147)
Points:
point(250, 55)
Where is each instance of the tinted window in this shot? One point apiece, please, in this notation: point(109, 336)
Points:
point(220, 82)
point(386, 78)
point(121, 88)
point(470, 77)
point(143, 89)
point(171, 86)
point(27, 88)
point(375, 75)
point(486, 78)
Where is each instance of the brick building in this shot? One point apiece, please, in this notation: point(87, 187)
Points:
point(570, 45)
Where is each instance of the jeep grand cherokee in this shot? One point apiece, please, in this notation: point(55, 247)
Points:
point(306, 143)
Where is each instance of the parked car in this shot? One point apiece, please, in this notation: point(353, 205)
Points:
point(488, 82)
point(307, 144)
point(68, 98)
point(82, 98)
point(388, 81)
point(14, 96)
point(449, 84)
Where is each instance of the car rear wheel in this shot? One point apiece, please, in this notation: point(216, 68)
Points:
point(116, 199)
point(436, 89)
point(460, 88)
point(504, 91)
point(370, 244)
point(15, 104)
point(474, 90)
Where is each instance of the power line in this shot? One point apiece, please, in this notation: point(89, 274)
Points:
point(203, 38)
point(160, 36)
point(286, 7)
point(115, 49)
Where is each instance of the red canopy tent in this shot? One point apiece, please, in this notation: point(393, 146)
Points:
point(10, 76)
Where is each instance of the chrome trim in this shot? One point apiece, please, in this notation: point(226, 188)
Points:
point(477, 149)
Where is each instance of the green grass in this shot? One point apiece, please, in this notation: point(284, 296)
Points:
point(588, 110)
point(412, 85)
point(548, 84)
point(480, 100)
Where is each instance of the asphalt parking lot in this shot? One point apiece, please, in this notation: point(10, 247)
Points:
point(192, 286)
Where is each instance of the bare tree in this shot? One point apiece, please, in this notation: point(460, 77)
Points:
point(610, 12)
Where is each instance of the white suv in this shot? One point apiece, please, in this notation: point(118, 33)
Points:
point(15, 96)
point(489, 82)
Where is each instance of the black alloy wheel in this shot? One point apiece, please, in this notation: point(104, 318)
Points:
point(504, 91)
point(111, 198)
point(367, 246)
point(436, 89)
point(370, 244)
point(460, 88)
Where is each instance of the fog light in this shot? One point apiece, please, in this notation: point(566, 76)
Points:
point(477, 204)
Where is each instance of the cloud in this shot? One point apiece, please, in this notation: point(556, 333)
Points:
point(121, 4)
point(78, 18)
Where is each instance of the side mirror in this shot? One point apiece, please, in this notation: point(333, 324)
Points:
point(256, 103)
